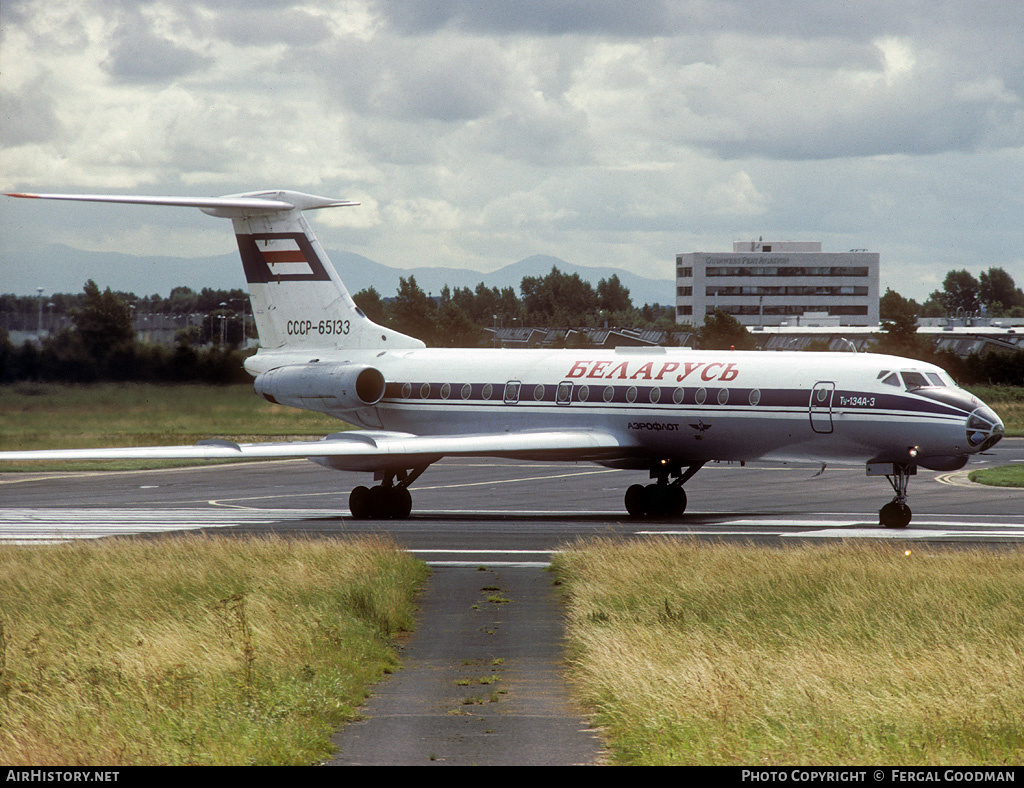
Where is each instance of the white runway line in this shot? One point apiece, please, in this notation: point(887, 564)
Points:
point(46, 526)
point(43, 526)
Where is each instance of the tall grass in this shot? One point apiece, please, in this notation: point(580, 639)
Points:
point(194, 650)
point(52, 416)
point(1007, 402)
point(714, 654)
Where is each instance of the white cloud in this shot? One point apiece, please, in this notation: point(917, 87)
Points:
point(736, 197)
point(478, 133)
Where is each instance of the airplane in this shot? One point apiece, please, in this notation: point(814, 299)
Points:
point(664, 411)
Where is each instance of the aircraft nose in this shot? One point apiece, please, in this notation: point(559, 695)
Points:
point(984, 429)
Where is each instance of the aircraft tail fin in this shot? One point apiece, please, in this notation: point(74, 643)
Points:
point(298, 300)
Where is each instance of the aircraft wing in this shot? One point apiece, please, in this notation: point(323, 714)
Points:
point(364, 450)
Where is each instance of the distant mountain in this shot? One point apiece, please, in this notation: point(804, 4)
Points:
point(360, 272)
point(67, 270)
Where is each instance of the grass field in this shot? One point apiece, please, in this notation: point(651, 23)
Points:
point(1007, 402)
point(193, 650)
point(41, 416)
point(716, 654)
point(1003, 476)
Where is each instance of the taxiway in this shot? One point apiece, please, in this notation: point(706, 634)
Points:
point(468, 511)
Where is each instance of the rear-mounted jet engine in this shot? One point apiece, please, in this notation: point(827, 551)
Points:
point(328, 388)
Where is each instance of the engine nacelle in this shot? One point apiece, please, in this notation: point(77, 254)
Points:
point(327, 388)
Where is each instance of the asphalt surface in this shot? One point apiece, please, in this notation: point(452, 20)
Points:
point(483, 679)
point(481, 684)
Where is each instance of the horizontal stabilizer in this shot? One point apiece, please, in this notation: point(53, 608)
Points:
point(231, 206)
point(299, 302)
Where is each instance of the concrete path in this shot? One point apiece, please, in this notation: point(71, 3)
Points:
point(481, 684)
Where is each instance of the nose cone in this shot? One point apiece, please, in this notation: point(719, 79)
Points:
point(984, 429)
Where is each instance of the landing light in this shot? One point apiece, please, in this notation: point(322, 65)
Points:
point(912, 451)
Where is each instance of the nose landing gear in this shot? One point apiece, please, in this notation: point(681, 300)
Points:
point(896, 513)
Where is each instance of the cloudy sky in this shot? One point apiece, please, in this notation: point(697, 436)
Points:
point(476, 133)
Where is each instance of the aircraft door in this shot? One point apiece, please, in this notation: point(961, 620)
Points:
point(821, 406)
point(563, 394)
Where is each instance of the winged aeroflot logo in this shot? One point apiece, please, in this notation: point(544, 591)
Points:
point(700, 428)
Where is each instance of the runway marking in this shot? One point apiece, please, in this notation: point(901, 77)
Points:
point(490, 564)
point(983, 528)
point(41, 526)
point(459, 551)
point(47, 526)
point(957, 479)
point(226, 502)
point(911, 533)
point(424, 555)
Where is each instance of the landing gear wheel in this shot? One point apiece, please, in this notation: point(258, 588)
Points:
point(894, 515)
point(635, 500)
point(401, 503)
point(389, 500)
point(359, 503)
point(380, 503)
point(379, 500)
point(655, 500)
point(678, 502)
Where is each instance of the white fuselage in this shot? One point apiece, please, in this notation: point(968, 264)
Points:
point(680, 405)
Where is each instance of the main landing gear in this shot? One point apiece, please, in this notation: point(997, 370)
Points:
point(389, 500)
point(663, 498)
point(896, 513)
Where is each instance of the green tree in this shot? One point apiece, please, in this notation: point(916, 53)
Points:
point(455, 328)
point(613, 296)
point(182, 301)
point(413, 312)
point(103, 323)
point(999, 292)
point(899, 327)
point(721, 331)
point(960, 291)
point(559, 300)
point(373, 306)
point(893, 306)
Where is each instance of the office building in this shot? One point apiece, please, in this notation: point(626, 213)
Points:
point(774, 283)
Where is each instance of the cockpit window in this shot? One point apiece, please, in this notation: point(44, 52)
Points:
point(882, 374)
point(914, 380)
point(892, 379)
point(936, 379)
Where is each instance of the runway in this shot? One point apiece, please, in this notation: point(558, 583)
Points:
point(470, 511)
point(509, 519)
